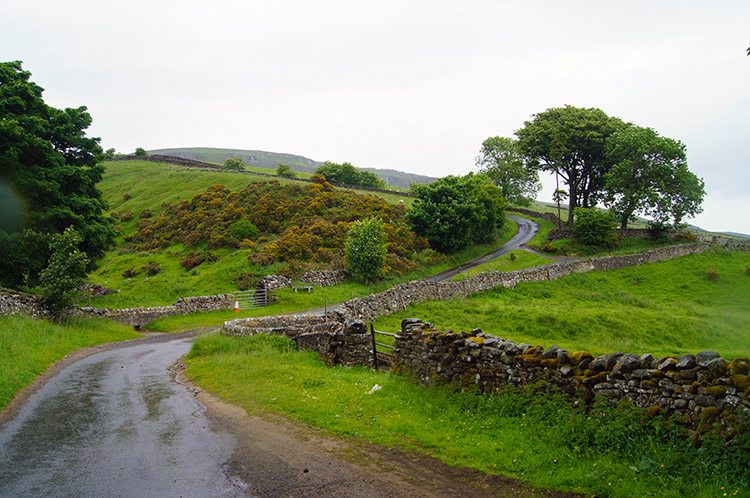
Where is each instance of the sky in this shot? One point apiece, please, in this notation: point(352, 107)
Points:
point(415, 86)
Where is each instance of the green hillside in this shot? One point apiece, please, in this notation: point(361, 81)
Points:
point(271, 160)
point(167, 214)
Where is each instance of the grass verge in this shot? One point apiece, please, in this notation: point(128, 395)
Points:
point(28, 347)
point(541, 438)
point(672, 307)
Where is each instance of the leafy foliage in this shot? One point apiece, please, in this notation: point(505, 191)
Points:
point(48, 177)
point(649, 176)
point(347, 174)
point(140, 152)
point(65, 273)
point(235, 163)
point(244, 229)
point(455, 211)
point(366, 249)
point(501, 160)
point(286, 223)
point(285, 170)
point(571, 142)
point(595, 227)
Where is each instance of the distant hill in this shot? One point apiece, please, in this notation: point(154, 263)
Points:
point(271, 160)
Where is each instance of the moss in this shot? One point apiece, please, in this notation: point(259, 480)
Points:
point(740, 366)
point(580, 356)
point(595, 379)
point(694, 387)
point(529, 358)
point(716, 391)
point(478, 340)
point(549, 363)
point(653, 410)
point(648, 384)
point(728, 416)
point(709, 414)
point(656, 374)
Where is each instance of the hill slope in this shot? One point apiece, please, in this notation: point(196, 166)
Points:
point(271, 160)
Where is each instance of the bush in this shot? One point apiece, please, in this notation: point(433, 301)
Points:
point(127, 216)
point(126, 196)
point(712, 275)
point(594, 227)
point(365, 249)
point(146, 213)
point(140, 152)
point(130, 272)
point(244, 229)
point(193, 259)
point(285, 170)
point(261, 259)
point(151, 268)
point(236, 163)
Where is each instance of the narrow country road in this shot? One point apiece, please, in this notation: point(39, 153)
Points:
point(527, 229)
point(116, 423)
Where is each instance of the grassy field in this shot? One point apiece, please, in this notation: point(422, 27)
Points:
point(662, 308)
point(541, 439)
point(28, 347)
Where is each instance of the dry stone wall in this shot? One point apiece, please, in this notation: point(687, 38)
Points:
point(14, 302)
point(702, 389)
point(398, 298)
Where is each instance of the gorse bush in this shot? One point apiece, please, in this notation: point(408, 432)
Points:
point(285, 222)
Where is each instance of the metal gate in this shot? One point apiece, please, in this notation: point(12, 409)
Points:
point(251, 298)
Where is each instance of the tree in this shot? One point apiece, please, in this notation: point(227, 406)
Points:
point(455, 211)
point(349, 175)
point(65, 273)
point(501, 160)
point(570, 141)
point(51, 168)
point(595, 227)
point(285, 170)
point(235, 163)
point(649, 176)
point(366, 249)
point(140, 152)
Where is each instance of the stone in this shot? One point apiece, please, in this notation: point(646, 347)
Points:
point(626, 364)
point(600, 362)
point(647, 361)
point(704, 357)
point(685, 361)
point(562, 357)
point(550, 352)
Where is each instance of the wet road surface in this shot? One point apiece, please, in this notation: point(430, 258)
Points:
point(116, 424)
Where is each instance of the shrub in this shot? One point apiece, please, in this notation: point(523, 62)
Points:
point(261, 259)
point(130, 272)
point(151, 268)
point(366, 249)
point(193, 259)
point(285, 170)
point(712, 275)
point(244, 229)
point(146, 213)
point(126, 196)
point(127, 216)
point(140, 152)
point(236, 163)
point(594, 227)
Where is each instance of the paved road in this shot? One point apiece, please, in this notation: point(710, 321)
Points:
point(116, 424)
point(527, 229)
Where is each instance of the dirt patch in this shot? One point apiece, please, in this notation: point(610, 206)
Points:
point(279, 458)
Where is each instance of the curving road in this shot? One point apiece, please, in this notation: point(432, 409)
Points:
point(527, 229)
point(116, 424)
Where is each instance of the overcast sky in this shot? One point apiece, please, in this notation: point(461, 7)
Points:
point(409, 85)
